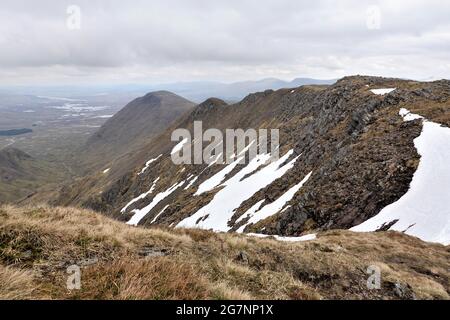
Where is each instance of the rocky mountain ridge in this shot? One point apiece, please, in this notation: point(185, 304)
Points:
point(347, 138)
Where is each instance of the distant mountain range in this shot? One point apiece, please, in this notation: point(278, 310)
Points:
point(233, 92)
point(196, 91)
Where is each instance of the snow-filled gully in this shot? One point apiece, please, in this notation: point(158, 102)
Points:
point(259, 173)
point(424, 211)
point(216, 214)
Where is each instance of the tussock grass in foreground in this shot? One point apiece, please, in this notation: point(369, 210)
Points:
point(117, 261)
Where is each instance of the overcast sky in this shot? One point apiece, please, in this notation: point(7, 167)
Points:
point(156, 41)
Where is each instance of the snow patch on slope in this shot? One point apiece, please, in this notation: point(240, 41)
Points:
point(216, 214)
point(191, 179)
point(139, 214)
point(179, 146)
point(250, 212)
point(219, 156)
point(142, 196)
point(382, 92)
point(307, 237)
point(216, 179)
point(157, 216)
point(273, 207)
point(424, 211)
point(148, 163)
point(243, 151)
point(408, 116)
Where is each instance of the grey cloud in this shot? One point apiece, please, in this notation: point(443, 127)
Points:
point(177, 40)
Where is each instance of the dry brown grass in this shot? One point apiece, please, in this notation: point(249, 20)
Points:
point(37, 244)
point(157, 279)
point(17, 284)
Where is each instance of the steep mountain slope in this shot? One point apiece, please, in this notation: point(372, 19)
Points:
point(346, 152)
point(134, 125)
point(21, 175)
point(39, 244)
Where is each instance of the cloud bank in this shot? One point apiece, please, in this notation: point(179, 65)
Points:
point(175, 40)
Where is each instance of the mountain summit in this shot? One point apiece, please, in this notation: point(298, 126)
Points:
point(138, 122)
